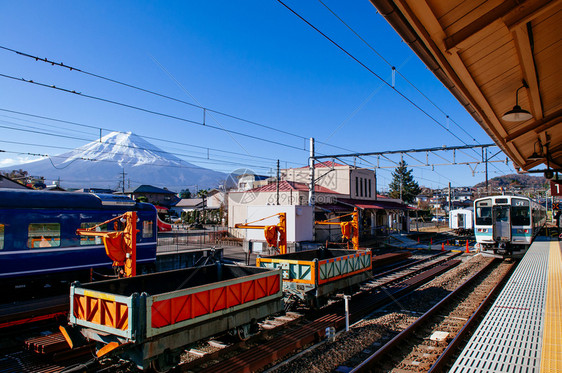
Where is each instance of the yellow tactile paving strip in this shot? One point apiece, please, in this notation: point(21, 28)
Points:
point(551, 356)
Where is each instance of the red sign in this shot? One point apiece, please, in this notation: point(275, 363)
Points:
point(555, 188)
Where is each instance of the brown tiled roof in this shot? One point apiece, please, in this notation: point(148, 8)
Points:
point(325, 164)
point(287, 186)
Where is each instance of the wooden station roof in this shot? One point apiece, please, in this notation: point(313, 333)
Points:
point(483, 51)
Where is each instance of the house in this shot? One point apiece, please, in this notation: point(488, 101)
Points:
point(188, 204)
point(249, 181)
point(215, 199)
point(154, 195)
point(290, 193)
point(354, 182)
point(338, 190)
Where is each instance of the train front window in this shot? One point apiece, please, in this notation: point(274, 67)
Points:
point(484, 212)
point(520, 212)
point(147, 229)
point(502, 214)
point(43, 235)
point(1, 236)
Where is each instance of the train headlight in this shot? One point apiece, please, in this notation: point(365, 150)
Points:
point(483, 230)
point(522, 231)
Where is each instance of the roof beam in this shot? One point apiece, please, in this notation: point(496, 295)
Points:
point(481, 23)
point(537, 126)
point(526, 60)
point(527, 11)
point(515, 13)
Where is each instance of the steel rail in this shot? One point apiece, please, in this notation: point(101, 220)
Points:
point(260, 356)
point(372, 360)
point(439, 365)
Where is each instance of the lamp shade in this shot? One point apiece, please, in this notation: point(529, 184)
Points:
point(517, 115)
point(534, 157)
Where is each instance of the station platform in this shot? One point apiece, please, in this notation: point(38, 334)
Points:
point(522, 332)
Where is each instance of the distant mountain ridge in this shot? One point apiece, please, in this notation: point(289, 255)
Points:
point(515, 180)
point(100, 164)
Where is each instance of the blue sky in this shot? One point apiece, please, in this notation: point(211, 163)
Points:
point(250, 59)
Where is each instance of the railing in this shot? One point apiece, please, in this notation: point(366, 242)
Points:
point(181, 239)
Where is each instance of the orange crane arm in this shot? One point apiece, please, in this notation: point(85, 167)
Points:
point(345, 227)
point(120, 246)
point(275, 235)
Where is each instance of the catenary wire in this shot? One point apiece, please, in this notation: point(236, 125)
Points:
point(145, 137)
point(206, 109)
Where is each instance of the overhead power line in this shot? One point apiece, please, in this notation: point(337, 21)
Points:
point(143, 136)
point(372, 72)
point(150, 111)
point(203, 160)
point(205, 109)
point(398, 71)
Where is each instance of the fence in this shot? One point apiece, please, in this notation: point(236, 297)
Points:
point(181, 239)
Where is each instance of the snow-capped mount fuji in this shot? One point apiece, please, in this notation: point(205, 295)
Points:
point(101, 163)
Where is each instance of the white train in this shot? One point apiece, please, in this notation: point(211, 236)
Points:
point(505, 226)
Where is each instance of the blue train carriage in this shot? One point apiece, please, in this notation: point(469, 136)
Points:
point(38, 241)
point(149, 319)
point(313, 275)
point(505, 226)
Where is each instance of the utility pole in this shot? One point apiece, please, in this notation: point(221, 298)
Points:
point(278, 182)
point(123, 182)
point(486, 162)
point(376, 184)
point(311, 172)
point(401, 175)
point(449, 197)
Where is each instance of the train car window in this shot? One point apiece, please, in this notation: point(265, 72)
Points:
point(484, 212)
point(520, 212)
point(87, 240)
point(147, 227)
point(1, 236)
point(43, 235)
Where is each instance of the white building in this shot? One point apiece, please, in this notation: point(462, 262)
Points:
point(338, 190)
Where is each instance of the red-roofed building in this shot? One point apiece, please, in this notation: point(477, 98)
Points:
point(354, 182)
point(338, 190)
point(290, 193)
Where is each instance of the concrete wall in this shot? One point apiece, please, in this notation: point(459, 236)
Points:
point(299, 221)
point(362, 183)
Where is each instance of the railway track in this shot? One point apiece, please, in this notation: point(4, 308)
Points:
point(311, 331)
point(399, 336)
point(48, 353)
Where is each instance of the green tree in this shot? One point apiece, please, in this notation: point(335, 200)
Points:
point(142, 199)
point(202, 193)
point(185, 193)
point(403, 183)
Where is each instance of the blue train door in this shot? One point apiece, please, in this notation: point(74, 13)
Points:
point(502, 224)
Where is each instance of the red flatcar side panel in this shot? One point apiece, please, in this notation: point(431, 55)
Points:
point(180, 308)
point(234, 295)
point(100, 311)
point(200, 303)
point(218, 299)
point(186, 307)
